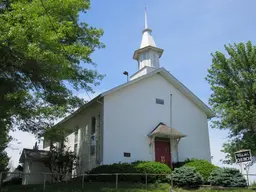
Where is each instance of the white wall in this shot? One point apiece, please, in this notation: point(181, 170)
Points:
point(83, 121)
point(131, 113)
point(25, 171)
point(34, 173)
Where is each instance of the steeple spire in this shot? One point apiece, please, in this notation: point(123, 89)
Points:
point(147, 39)
point(146, 18)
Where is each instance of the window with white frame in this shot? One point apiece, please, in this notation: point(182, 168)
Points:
point(93, 135)
point(76, 134)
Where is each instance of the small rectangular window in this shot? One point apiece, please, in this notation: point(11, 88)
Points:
point(127, 154)
point(159, 101)
point(93, 149)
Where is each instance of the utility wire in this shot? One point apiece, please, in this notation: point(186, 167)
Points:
point(88, 95)
point(43, 5)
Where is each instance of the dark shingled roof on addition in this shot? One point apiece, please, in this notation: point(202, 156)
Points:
point(34, 155)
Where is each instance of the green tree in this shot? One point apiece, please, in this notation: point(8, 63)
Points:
point(45, 53)
point(4, 139)
point(61, 162)
point(232, 77)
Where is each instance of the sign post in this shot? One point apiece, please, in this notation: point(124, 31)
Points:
point(242, 157)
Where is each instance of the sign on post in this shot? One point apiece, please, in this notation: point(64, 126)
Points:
point(243, 156)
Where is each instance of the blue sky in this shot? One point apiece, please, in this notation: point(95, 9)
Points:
point(188, 31)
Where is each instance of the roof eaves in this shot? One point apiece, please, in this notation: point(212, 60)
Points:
point(78, 110)
point(130, 82)
point(191, 95)
point(102, 95)
point(161, 71)
point(148, 47)
point(21, 160)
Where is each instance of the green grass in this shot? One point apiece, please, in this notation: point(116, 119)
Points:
point(77, 187)
point(105, 187)
point(253, 184)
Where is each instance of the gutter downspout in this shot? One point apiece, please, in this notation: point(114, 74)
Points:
point(99, 102)
point(171, 129)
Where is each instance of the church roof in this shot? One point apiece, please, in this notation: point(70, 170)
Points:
point(175, 82)
point(168, 76)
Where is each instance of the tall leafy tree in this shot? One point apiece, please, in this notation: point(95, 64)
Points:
point(4, 139)
point(232, 77)
point(44, 55)
point(61, 162)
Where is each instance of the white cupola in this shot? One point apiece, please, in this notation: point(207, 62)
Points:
point(148, 54)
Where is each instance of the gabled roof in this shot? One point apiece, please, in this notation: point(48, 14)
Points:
point(168, 76)
point(162, 130)
point(176, 83)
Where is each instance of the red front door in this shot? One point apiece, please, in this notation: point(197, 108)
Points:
point(162, 152)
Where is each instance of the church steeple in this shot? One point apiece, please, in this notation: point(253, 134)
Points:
point(148, 54)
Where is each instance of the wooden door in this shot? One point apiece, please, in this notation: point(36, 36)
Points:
point(162, 152)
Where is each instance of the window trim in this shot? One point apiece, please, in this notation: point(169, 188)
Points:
point(75, 148)
point(76, 133)
point(93, 136)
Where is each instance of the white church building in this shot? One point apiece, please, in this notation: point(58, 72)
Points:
point(152, 117)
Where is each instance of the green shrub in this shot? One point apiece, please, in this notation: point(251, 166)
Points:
point(139, 167)
point(187, 177)
point(227, 177)
point(151, 167)
point(202, 166)
point(13, 181)
point(113, 169)
point(177, 164)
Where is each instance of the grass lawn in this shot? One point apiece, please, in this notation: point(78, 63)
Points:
point(104, 187)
